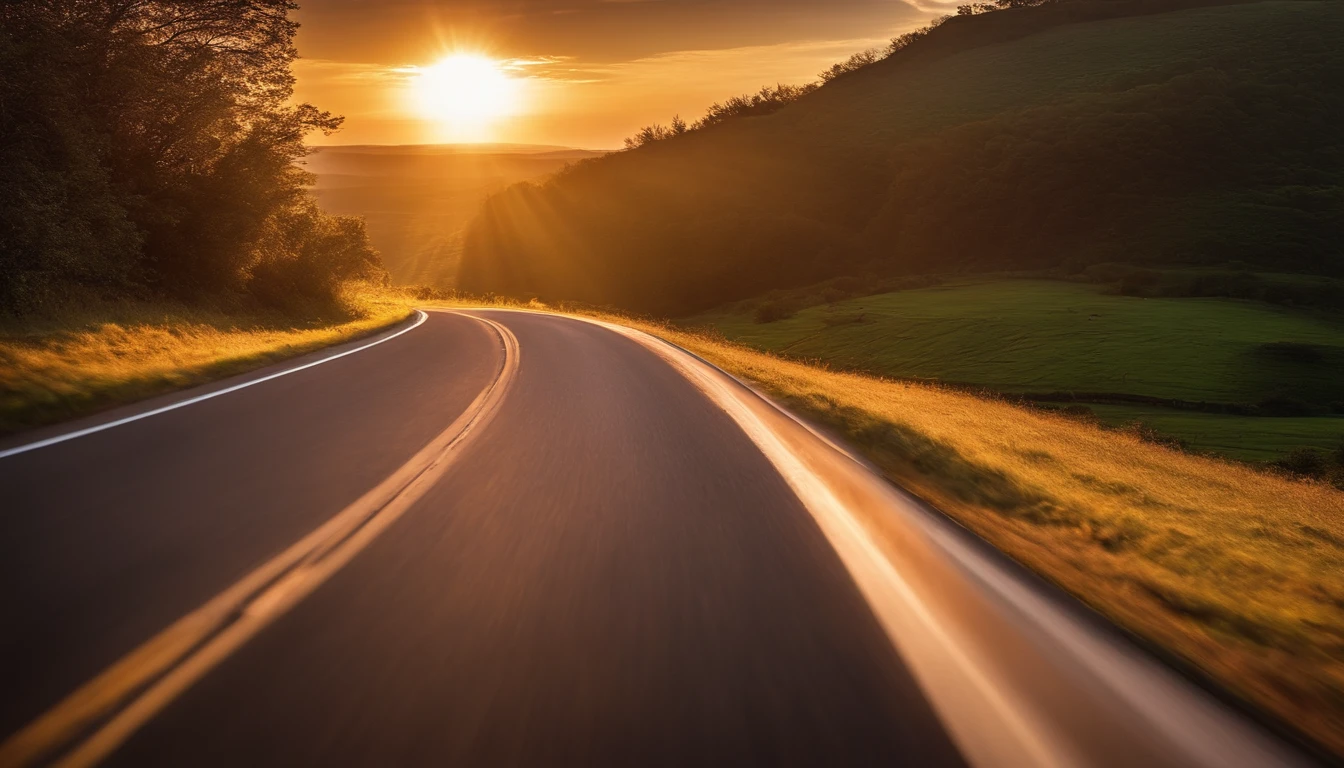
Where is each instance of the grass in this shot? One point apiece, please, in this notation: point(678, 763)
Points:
point(1038, 336)
point(1238, 571)
point(105, 355)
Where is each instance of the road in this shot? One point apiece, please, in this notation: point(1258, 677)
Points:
point(508, 538)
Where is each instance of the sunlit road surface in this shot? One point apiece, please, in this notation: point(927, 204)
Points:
point(508, 538)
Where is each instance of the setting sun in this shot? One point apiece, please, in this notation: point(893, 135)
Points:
point(465, 91)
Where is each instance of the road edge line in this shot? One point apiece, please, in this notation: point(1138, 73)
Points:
point(1038, 734)
point(132, 690)
point(66, 436)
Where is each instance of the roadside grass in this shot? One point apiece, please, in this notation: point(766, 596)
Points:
point(102, 355)
point(1039, 336)
point(1238, 571)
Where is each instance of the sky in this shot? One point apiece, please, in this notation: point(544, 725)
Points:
point(581, 73)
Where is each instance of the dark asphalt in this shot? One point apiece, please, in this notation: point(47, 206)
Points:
point(611, 574)
point(108, 538)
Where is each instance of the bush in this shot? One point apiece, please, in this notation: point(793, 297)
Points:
point(1305, 462)
point(305, 258)
point(776, 309)
point(830, 294)
point(1149, 434)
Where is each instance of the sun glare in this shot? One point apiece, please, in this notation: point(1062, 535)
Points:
point(465, 91)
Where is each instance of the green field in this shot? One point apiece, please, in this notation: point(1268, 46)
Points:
point(1246, 438)
point(1039, 337)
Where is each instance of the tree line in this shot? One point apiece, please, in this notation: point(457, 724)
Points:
point(148, 149)
point(772, 99)
point(769, 100)
point(763, 102)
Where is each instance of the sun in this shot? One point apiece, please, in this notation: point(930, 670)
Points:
point(466, 90)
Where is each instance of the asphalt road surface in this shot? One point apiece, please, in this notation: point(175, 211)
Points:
point(505, 539)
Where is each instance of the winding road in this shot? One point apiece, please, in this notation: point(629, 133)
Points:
point(497, 537)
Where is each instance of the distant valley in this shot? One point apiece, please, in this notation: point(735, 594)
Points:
point(417, 199)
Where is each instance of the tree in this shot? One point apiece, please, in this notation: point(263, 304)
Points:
point(180, 107)
point(853, 63)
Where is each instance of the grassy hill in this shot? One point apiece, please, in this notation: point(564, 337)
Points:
point(1244, 379)
point(416, 200)
point(1192, 137)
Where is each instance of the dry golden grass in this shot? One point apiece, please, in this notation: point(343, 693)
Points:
point(104, 355)
point(1239, 572)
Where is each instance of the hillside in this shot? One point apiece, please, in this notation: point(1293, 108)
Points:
point(417, 200)
point(1193, 137)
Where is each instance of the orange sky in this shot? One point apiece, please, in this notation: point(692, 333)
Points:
point(591, 71)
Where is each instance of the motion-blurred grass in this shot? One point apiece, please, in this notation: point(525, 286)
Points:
point(101, 355)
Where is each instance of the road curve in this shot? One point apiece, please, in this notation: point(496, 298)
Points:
point(517, 538)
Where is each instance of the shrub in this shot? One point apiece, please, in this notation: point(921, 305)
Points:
point(1305, 462)
point(830, 294)
point(1149, 434)
point(305, 258)
point(776, 309)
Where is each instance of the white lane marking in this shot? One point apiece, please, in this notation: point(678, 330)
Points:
point(199, 398)
point(180, 655)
